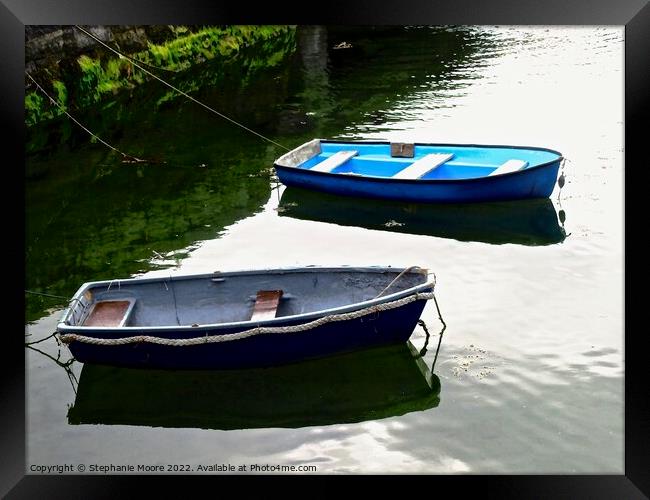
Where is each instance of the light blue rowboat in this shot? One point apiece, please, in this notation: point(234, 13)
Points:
point(430, 173)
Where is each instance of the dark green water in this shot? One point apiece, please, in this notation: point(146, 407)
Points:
point(530, 371)
point(354, 387)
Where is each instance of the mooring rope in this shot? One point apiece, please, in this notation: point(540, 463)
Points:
point(48, 295)
point(65, 365)
point(53, 334)
point(562, 178)
point(260, 330)
point(405, 271)
point(426, 331)
point(181, 92)
point(127, 156)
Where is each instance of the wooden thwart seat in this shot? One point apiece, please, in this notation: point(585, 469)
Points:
point(336, 160)
point(509, 166)
point(423, 166)
point(266, 304)
point(110, 313)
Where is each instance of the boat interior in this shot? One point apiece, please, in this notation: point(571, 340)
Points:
point(404, 161)
point(232, 297)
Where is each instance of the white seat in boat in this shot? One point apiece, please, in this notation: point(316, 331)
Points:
point(337, 159)
point(509, 166)
point(423, 166)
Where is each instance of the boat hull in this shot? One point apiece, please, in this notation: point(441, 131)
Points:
point(527, 184)
point(376, 329)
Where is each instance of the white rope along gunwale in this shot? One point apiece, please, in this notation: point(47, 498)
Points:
point(260, 330)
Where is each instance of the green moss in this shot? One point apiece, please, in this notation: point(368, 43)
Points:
point(91, 73)
point(103, 77)
point(61, 93)
point(167, 96)
point(34, 108)
point(209, 43)
point(39, 108)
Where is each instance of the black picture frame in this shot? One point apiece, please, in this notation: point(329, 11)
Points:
point(633, 14)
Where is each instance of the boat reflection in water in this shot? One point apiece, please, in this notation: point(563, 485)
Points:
point(365, 385)
point(523, 222)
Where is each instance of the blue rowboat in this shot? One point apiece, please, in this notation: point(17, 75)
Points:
point(353, 387)
point(426, 173)
point(242, 319)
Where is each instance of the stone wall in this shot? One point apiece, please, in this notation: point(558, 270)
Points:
point(78, 71)
point(48, 48)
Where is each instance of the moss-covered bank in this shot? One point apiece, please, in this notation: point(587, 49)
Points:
point(99, 74)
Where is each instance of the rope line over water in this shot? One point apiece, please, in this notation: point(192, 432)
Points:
point(181, 92)
point(48, 295)
point(53, 101)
